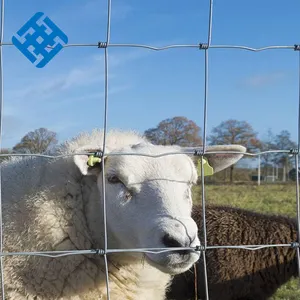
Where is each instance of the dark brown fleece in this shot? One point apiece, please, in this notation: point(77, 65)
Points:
point(237, 274)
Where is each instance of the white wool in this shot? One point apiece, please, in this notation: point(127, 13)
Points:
point(49, 205)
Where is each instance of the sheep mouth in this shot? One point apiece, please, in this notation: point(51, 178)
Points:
point(173, 263)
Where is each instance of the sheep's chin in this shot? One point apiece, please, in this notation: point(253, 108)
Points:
point(173, 268)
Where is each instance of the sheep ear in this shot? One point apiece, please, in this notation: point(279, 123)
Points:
point(221, 161)
point(89, 164)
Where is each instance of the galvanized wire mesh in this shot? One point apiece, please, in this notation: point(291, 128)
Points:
point(105, 45)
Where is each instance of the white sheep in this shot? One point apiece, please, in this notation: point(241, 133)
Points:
point(56, 204)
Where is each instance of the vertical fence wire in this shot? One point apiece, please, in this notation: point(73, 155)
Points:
point(211, 4)
point(104, 143)
point(298, 213)
point(1, 129)
point(258, 170)
point(297, 173)
point(206, 74)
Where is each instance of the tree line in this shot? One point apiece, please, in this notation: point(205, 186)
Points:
point(40, 141)
point(182, 131)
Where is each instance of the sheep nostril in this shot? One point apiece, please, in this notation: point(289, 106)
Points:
point(170, 241)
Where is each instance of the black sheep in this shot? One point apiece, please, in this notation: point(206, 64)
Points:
point(239, 274)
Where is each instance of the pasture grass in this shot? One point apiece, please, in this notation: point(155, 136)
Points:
point(270, 198)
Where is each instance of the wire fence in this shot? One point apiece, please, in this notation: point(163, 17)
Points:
point(105, 45)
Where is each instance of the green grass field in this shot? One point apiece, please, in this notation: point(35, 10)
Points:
point(279, 199)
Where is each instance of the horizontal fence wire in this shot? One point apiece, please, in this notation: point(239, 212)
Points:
point(196, 151)
point(199, 46)
point(56, 254)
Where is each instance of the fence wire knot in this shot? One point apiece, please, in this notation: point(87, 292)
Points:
point(296, 47)
point(295, 245)
point(98, 154)
point(199, 248)
point(294, 151)
point(99, 251)
point(203, 46)
point(198, 152)
point(102, 44)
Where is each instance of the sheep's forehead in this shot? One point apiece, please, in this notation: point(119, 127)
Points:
point(169, 167)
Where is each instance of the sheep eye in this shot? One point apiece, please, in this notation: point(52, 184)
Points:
point(113, 179)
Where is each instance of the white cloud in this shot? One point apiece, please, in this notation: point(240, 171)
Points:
point(99, 95)
point(261, 80)
point(44, 100)
point(78, 77)
point(51, 85)
point(85, 75)
point(120, 57)
point(25, 106)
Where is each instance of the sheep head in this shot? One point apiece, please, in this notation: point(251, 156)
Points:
point(149, 201)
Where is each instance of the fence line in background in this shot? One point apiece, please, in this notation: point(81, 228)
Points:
point(197, 151)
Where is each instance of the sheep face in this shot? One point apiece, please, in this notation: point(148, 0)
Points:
point(148, 204)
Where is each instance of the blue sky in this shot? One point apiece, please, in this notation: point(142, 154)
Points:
point(146, 87)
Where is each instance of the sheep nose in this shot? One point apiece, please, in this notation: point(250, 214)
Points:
point(170, 241)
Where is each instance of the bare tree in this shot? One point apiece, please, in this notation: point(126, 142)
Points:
point(37, 141)
point(283, 142)
point(267, 143)
point(234, 132)
point(175, 131)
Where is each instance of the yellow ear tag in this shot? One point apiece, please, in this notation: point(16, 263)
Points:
point(92, 160)
point(207, 169)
